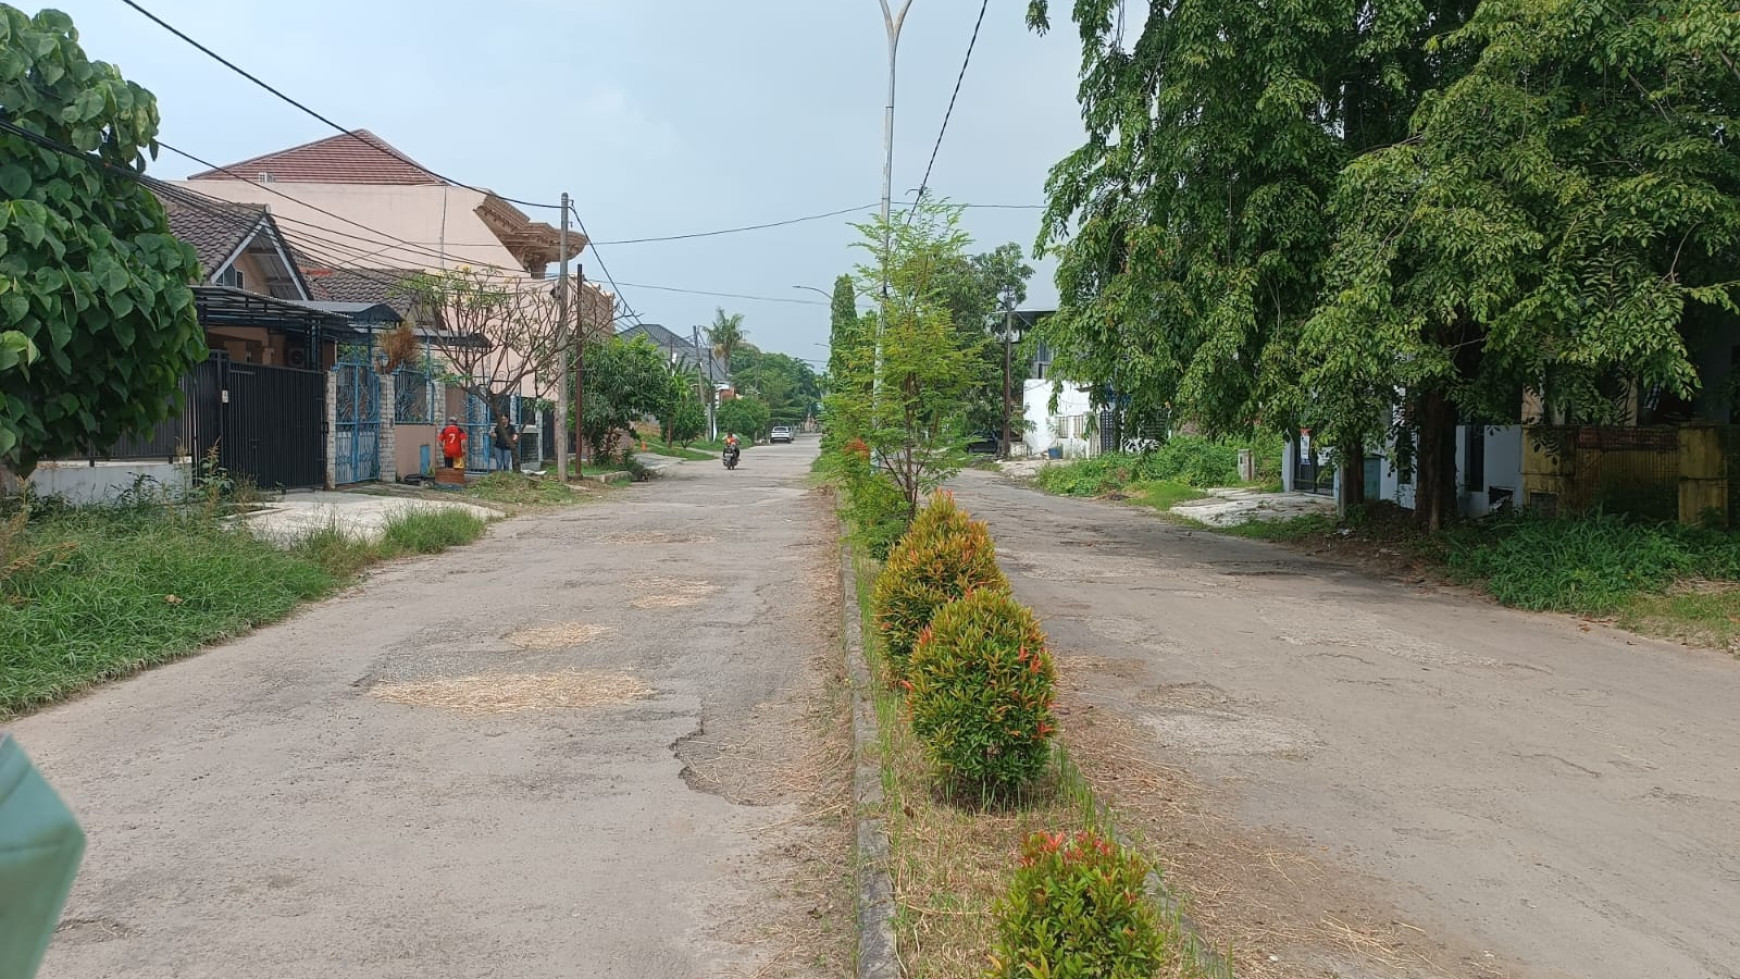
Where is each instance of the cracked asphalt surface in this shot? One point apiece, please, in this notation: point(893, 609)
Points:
point(260, 810)
point(1543, 800)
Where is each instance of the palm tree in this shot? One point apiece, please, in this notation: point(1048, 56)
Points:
point(726, 335)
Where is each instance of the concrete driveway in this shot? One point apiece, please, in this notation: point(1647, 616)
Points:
point(1491, 792)
point(594, 744)
point(359, 516)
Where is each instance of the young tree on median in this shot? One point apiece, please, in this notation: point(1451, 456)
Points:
point(901, 400)
point(89, 275)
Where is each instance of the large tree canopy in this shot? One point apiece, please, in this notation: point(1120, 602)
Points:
point(1356, 214)
point(88, 270)
point(1566, 213)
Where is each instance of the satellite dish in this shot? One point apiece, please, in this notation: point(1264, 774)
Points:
point(40, 847)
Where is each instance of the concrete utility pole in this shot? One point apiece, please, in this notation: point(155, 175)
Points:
point(580, 365)
point(707, 384)
point(561, 434)
point(1008, 379)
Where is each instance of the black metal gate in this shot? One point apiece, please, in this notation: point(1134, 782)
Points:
point(272, 425)
point(1311, 471)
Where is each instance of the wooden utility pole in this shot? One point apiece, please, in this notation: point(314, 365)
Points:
point(1008, 377)
point(561, 433)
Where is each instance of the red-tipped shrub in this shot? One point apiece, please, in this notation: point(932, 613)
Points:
point(944, 555)
point(981, 690)
point(1077, 907)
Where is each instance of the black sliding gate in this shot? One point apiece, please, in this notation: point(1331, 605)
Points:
point(267, 424)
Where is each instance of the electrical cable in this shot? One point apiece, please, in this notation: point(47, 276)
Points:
point(227, 63)
point(728, 295)
point(924, 185)
point(732, 231)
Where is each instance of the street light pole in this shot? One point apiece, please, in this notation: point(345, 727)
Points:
point(894, 23)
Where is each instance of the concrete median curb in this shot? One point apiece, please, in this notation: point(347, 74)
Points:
point(877, 955)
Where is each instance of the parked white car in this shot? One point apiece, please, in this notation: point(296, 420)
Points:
point(780, 433)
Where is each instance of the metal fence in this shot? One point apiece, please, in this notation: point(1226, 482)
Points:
point(1621, 470)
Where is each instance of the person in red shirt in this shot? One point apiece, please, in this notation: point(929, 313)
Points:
point(453, 444)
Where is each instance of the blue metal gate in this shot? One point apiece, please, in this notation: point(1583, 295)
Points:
point(357, 442)
point(477, 433)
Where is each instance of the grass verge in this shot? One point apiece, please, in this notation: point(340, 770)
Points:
point(520, 491)
point(93, 594)
point(952, 859)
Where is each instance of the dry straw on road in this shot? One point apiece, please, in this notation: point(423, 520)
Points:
point(557, 636)
point(673, 593)
point(510, 693)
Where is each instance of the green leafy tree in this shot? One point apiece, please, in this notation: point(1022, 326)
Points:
point(843, 323)
point(1192, 227)
point(1564, 217)
point(980, 291)
point(625, 381)
point(788, 386)
point(89, 273)
point(681, 416)
point(901, 403)
point(745, 416)
point(726, 335)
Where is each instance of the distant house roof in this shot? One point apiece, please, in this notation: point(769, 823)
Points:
point(221, 232)
point(678, 347)
point(369, 286)
point(356, 157)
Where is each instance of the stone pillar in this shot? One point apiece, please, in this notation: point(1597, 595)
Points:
point(388, 442)
point(331, 429)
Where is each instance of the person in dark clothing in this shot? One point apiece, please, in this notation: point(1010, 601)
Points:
point(506, 438)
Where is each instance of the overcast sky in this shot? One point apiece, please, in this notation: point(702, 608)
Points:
point(659, 116)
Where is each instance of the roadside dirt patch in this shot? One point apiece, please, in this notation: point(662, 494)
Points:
point(792, 756)
point(509, 693)
point(1277, 910)
point(551, 637)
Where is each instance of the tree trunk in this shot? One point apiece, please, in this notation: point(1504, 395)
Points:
point(1352, 477)
point(1435, 461)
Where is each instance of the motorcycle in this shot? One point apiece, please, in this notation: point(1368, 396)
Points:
point(731, 454)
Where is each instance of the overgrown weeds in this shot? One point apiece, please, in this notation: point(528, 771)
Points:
point(93, 593)
point(1184, 460)
point(514, 489)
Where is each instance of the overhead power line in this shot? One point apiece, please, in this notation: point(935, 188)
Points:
point(733, 231)
point(924, 185)
point(238, 69)
point(601, 266)
point(728, 295)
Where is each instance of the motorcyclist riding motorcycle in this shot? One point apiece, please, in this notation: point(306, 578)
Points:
point(732, 451)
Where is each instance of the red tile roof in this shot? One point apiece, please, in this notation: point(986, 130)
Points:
point(357, 157)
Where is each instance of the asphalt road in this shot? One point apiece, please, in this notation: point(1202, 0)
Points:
point(1545, 801)
point(308, 801)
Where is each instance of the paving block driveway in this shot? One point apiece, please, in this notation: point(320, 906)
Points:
point(332, 797)
point(1540, 800)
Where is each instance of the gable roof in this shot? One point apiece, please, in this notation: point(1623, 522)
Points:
point(216, 231)
point(356, 157)
point(221, 232)
point(680, 348)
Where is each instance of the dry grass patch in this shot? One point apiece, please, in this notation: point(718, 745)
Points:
point(511, 693)
point(552, 637)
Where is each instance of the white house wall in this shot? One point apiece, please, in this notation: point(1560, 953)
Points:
point(1036, 404)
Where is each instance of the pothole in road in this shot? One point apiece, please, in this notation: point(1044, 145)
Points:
point(660, 538)
point(551, 637)
point(673, 593)
point(510, 693)
point(1223, 732)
